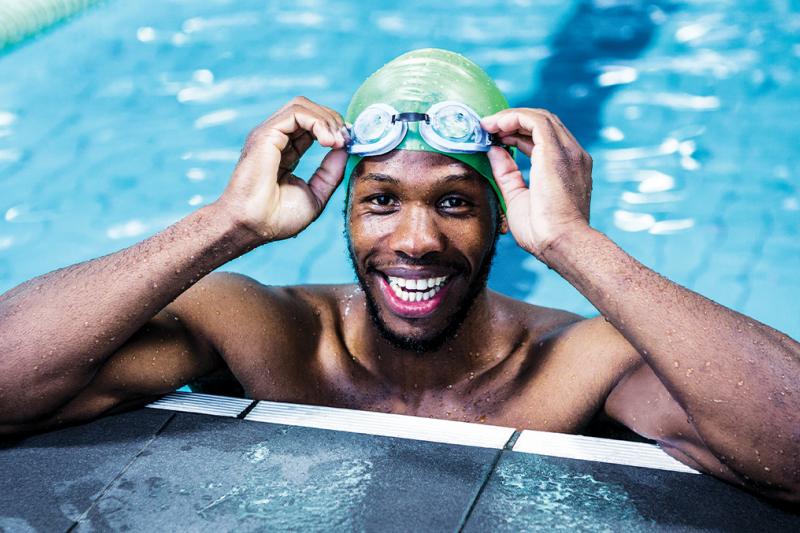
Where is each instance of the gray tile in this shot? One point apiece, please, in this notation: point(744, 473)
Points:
point(533, 492)
point(48, 480)
point(219, 474)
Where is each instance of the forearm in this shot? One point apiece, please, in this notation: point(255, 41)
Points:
point(738, 379)
point(58, 329)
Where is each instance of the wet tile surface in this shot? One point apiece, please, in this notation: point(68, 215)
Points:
point(153, 470)
point(212, 474)
point(533, 492)
point(47, 481)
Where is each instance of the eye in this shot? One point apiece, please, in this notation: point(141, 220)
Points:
point(454, 202)
point(382, 200)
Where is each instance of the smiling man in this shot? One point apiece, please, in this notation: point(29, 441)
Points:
point(431, 183)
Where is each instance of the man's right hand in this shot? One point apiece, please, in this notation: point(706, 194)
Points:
point(264, 195)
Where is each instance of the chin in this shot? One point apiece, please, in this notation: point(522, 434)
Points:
point(427, 333)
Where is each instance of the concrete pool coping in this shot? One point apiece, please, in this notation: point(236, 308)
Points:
point(426, 429)
point(253, 466)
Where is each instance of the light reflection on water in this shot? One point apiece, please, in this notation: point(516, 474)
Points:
point(126, 119)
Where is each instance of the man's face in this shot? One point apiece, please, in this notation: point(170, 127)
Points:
point(422, 229)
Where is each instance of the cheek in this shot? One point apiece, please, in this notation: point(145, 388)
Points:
point(366, 235)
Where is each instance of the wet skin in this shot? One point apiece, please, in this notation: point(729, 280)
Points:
point(715, 388)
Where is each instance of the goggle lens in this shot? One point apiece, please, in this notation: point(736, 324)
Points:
point(453, 123)
point(372, 125)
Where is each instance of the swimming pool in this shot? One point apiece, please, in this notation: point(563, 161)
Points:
point(129, 117)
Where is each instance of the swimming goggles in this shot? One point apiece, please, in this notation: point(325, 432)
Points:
point(448, 126)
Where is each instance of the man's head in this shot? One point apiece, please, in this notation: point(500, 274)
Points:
point(421, 223)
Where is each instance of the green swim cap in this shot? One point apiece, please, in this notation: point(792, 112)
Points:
point(413, 82)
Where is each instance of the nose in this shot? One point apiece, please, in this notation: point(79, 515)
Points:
point(417, 233)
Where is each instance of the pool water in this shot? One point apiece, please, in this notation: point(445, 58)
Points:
point(132, 115)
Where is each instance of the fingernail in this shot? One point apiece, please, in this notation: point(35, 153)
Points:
point(345, 133)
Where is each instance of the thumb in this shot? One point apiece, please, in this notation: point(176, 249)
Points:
point(328, 176)
point(507, 175)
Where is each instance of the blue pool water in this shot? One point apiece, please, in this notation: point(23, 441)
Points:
point(129, 117)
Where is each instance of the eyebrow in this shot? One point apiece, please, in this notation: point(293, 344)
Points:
point(460, 177)
point(383, 178)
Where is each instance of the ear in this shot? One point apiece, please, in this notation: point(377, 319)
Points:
point(503, 224)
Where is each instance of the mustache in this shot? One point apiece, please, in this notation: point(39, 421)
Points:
point(403, 260)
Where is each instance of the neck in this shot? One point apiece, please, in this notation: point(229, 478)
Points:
point(469, 352)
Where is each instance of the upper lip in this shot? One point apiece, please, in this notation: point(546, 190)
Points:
point(414, 273)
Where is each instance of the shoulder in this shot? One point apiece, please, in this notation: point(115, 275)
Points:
point(591, 346)
point(538, 321)
point(244, 318)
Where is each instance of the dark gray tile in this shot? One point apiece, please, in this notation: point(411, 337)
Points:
point(213, 474)
point(536, 492)
point(48, 480)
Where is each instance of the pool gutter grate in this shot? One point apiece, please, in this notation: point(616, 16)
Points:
point(207, 404)
point(596, 449)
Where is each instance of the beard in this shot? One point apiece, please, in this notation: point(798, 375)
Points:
point(432, 343)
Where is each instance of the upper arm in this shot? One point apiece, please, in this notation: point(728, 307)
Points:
point(172, 349)
point(642, 402)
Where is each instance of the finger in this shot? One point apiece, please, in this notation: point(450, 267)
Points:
point(564, 130)
point(332, 117)
point(328, 176)
point(489, 123)
point(299, 143)
point(507, 175)
point(527, 122)
point(565, 136)
point(299, 118)
point(523, 142)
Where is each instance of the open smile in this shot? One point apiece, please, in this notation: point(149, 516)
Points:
point(413, 297)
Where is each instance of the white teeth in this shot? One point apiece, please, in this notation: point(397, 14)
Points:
point(417, 284)
point(396, 284)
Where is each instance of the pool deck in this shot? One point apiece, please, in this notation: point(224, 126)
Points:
point(200, 463)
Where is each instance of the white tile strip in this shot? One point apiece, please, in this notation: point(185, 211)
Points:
point(208, 404)
point(384, 424)
point(595, 449)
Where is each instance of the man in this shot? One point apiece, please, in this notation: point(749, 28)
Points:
point(420, 334)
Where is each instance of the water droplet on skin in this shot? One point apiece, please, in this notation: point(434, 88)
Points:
point(740, 383)
point(676, 364)
point(449, 386)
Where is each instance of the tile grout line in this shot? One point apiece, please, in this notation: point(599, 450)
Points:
point(509, 445)
point(124, 469)
point(246, 410)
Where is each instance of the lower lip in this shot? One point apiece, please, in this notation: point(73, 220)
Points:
point(411, 309)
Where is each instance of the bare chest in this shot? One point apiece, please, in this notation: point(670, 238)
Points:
point(548, 400)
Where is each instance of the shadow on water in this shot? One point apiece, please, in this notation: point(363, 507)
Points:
point(598, 33)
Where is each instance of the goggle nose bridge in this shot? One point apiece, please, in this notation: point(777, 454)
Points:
point(411, 117)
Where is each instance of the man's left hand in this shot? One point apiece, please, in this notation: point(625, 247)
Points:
point(557, 200)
